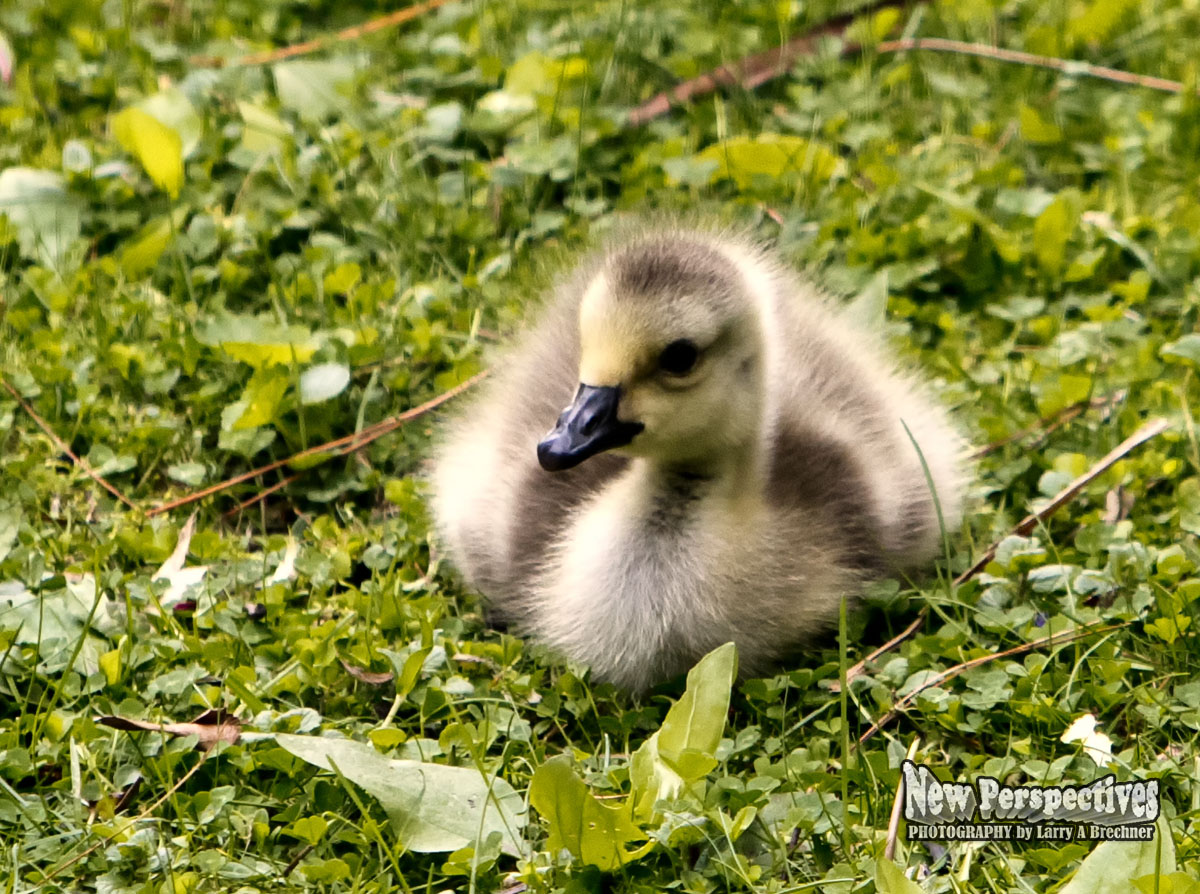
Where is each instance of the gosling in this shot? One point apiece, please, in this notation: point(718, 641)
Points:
point(734, 458)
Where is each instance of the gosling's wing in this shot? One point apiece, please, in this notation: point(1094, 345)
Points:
point(843, 448)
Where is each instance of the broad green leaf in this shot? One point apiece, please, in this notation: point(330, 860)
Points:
point(1062, 391)
point(323, 381)
point(771, 156)
point(110, 666)
point(536, 74)
point(1052, 230)
point(310, 829)
point(156, 146)
point(890, 880)
point(1113, 865)
point(1096, 21)
point(1174, 883)
point(258, 341)
point(326, 872)
point(598, 834)
point(408, 673)
point(45, 216)
point(315, 89)
point(870, 30)
point(697, 721)
point(143, 252)
point(173, 109)
point(261, 398)
point(342, 279)
point(53, 622)
point(1169, 629)
point(189, 473)
point(261, 130)
point(683, 750)
point(1036, 129)
point(1186, 349)
point(433, 808)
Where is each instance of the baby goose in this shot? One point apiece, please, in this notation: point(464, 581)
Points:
point(732, 460)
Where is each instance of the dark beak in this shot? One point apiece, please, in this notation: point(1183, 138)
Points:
point(587, 427)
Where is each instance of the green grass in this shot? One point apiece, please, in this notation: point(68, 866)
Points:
point(381, 208)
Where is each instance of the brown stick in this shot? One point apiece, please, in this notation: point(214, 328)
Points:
point(137, 819)
point(261, 495)
point(752, 71)
point(63, 448)
point(390, 20)
point(755, 70)
point(1145, 433)
point(1066, 66)
point(338, 447)
point(856, 670)
point(958, 669)
point(1049, 424)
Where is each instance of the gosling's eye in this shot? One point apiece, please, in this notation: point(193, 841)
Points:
point(679, 357)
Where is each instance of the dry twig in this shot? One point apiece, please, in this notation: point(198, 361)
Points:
point(1047, 425)
point(391, 20)
point(261, 495)
point(1066, 66)
point(752, 71)
point(337, 447)
point(1145, 433)
point(63, 448)
point(755, 70)
point(951, 673)
point(109, 839)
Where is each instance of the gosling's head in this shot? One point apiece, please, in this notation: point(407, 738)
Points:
point(670, 358)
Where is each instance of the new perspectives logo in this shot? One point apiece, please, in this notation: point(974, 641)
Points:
point(1104, 810)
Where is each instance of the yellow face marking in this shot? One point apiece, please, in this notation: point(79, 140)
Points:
point(608, 339)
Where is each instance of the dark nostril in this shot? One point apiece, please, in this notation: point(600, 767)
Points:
point(590, 423)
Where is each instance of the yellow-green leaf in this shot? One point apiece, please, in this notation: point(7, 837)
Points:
point(110, 664)
point(1185, 350)
point(342, 279)
point(1036, 129)
point(771, 155)
point(261, 131)
point(1112, 866)
point(870, 30)
point(157, 147)
point(262, 396)
point(536, 74)
point(1173, 883)
point(598, 834)
point(677, 757)
point(890, 880)
point(146, 248)
point(310, 829)
point(1051, 231)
